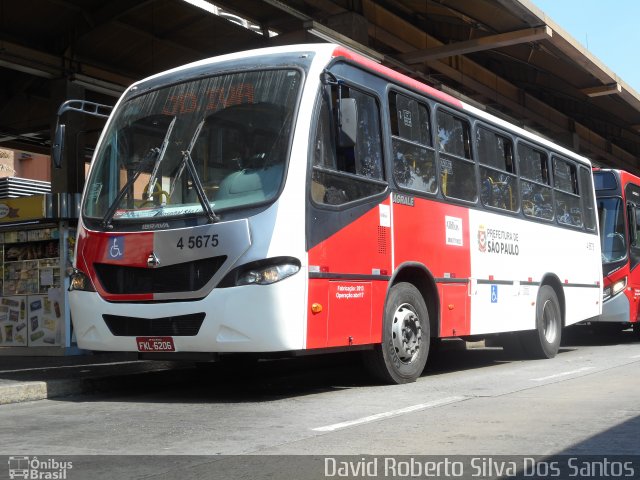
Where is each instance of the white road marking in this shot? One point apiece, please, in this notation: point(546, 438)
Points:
point(636, 356)
point(391, 413)
point(83, 365)
point(563, 374)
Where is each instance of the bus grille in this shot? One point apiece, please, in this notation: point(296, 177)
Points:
point(180, 325)
point(182, 277)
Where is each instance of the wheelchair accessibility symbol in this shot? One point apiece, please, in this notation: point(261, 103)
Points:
point(116, 248)
point(494, 294)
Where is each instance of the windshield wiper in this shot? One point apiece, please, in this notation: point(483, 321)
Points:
point(187, 162)
point(153, 157)
point(156, 166)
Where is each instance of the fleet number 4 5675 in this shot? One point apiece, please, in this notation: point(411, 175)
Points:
point(198, 241)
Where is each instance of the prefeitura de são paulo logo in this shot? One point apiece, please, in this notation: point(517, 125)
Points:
point(41, 469)
point(482, 238)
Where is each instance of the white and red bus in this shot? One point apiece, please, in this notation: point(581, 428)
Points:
point(618, 198)
point(305, 199)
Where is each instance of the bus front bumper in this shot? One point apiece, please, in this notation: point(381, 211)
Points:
point(254, 318)
point(616, 309)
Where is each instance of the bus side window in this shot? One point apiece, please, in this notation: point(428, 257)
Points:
point(414, 164)
point(457, 169)
point(565, 178)
point(344, 174)
point(535, 189)
point(498, 182)
point(586, 184)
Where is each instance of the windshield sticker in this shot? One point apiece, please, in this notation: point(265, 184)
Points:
point(115, 248)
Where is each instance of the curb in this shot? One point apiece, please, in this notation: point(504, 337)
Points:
point(18, 391)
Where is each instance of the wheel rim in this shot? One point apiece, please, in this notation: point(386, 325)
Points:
point(406, 333)
point(549, 321)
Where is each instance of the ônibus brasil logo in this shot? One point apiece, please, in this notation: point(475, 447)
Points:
point(34, 468)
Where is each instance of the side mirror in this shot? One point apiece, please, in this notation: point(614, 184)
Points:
point(347, 122)
point(58, 145)
point(82, 106)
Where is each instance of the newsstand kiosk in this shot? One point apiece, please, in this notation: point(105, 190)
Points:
point(37, 238)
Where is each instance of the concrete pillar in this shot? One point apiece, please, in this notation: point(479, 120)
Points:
point(351, 25)
point(69, 178)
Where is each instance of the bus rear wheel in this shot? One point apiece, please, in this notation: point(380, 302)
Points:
point(544, 341)
point(402, 355)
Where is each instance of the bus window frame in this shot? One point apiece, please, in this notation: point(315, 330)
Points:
point(515, 175)
point(322, 91)
point(430, 105)
point(470, 121)
point(536, 147)
point(552, 158)
point(591, 188)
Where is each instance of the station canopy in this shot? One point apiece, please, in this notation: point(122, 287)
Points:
point(504, 56)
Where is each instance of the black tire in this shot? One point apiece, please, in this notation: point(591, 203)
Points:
point(636, 330)
point(402, 355)
point(544, 341)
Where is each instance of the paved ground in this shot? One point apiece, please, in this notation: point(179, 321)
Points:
point(24, 378)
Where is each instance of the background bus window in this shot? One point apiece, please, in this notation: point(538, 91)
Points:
point(535, 191)
point(457, 169)
point(344, 174)
point(497, 170)
point(612, 233)
point(413, 155)
point(568, 208)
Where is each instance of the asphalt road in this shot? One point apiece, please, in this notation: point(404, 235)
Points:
point(468, 402)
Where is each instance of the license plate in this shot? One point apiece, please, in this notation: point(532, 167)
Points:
point(155, 344)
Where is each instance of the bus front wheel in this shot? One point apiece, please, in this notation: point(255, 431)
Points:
point(544, 341)
point(402, 355)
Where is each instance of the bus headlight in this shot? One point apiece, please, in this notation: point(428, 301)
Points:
point(614, 289)
point(267, 275)
point(80, 281)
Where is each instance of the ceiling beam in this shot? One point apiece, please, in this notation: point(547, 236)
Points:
point(474, 76)
point(489, 42)
point(611, 89)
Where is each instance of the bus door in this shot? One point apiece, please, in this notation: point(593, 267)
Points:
point(632, 194)
point(348, 213)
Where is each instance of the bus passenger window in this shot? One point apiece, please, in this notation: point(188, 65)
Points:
point(344, 174)
point(535, 189)
point(414, 164)
point(457, 169)
point(498, 182)
point(586, 185)
point(568, 204)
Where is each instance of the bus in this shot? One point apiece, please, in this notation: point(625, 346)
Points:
point(618, 199)
point(306, 199)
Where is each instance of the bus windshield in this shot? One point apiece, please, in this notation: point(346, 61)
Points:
point(209, 144)
point(612, 234)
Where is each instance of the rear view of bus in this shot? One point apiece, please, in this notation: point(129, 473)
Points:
point(618, 198)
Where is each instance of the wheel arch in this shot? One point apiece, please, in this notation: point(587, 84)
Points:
point(421, 277)
point(554, 282)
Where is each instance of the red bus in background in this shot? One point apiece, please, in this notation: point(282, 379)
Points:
point(618, 199)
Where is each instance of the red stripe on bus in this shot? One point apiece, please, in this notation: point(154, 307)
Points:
point(397, 76)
